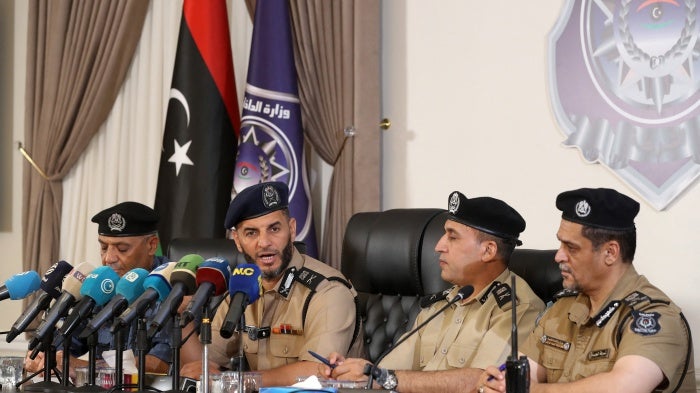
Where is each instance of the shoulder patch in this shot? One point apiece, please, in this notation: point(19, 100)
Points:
point(503, 294)
point(635, 298)
point(645, 323)
point(565, 293)
point(429, 300)
point(309, 278)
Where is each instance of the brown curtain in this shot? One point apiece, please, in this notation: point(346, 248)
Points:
point(78, 53)
point(337, 59)
point(337, 56)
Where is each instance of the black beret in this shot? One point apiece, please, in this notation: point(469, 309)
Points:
point(126, 219)
point(599, 208)
point(489, 215)
point(255, 201)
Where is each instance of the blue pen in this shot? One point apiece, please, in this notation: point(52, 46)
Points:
point(502, 367)
point(322, 359)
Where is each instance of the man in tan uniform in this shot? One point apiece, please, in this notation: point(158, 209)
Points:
point(450, 352)
point(305, 305)
point(611, 331)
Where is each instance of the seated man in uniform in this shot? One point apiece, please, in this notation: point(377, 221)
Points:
point(318, 315)
point(128, 238)
point(451, 351)
point(610, 330)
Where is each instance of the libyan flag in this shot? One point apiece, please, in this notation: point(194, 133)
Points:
point(199, 143)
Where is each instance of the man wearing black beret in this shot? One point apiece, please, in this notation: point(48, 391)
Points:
point(128, 239)
point(611, 330)
point(451, 351)
point(305, 305)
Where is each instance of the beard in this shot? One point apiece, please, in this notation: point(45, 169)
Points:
point(287, 253)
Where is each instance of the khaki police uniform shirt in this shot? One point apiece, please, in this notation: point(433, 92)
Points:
point(471, 334)
point(570, 345)
point(330, 321)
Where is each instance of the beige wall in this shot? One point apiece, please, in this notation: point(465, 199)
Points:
point(465, 86)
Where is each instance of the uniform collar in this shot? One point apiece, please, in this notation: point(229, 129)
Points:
point(504, 277)
point(580, 311)
point(295, 264)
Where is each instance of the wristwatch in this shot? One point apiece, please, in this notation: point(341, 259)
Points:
point(387, 379)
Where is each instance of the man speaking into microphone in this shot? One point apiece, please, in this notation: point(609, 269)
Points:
point(128, 239)
point(305, 304)
point(449, 353)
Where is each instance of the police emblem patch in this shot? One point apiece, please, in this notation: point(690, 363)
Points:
point(454, 203)
point(645, 324)
point(583, 209)
point(116, 222)
point(271, 197)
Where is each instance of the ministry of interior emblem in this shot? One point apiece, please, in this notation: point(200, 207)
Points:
point(624, 81)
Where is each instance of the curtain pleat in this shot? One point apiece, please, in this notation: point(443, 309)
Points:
point(78, 53)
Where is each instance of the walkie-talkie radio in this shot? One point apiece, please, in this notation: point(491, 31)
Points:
point(517, 369)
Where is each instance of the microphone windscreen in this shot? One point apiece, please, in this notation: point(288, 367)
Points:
point(246, 278)
point(74, 279)
point(159, 280)
point(131, 284)
point(185, 272)
point(216, 271)
point(466, 291)
point(100, 285)
point(53, 278)
point(21, 285)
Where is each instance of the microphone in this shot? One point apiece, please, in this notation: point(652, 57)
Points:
point(183, 281)
point(71, 293)
point(245, 288)
point(50, 288)
point(212, 279)
point(372, 370)
point(20, 285)
point(98, 288)
point(129, 287)
point(157, 287)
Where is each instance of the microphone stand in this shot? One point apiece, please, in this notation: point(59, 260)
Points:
point(66, 363)
point(205, 338)
point(175, 344)
point(372, 370)
point(241, 328)
point(141, 348)
point(49, 366)
point(119, 356)
point(91, 386)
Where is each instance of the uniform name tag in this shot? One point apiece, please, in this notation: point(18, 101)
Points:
point(555, 342)
point(599, 354)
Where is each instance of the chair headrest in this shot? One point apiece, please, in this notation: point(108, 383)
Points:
point(538, 269)
point(207, 248)
point(382, 250)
